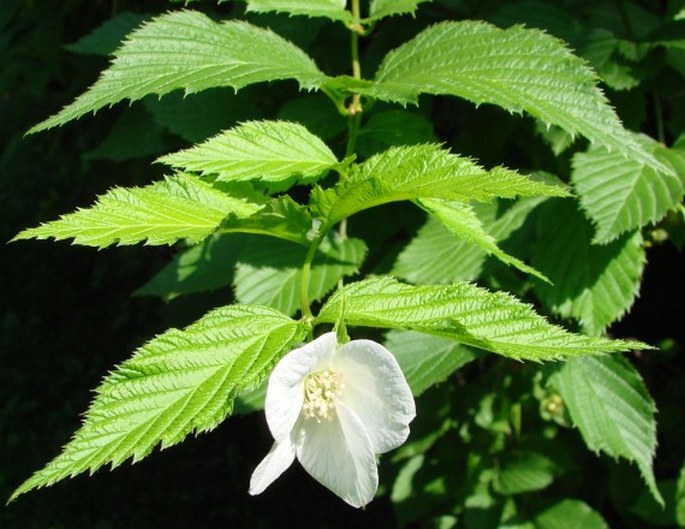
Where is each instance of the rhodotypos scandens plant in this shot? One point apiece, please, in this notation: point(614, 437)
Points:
point(294, 211)
point(334, 408)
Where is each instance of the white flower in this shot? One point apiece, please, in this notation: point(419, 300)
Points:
point(334, 408)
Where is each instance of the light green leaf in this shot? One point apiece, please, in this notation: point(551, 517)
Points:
point(204, 267)
point(282, 217)
point(610, 405)
point(518, 69)
point(494, 321)
point(107, 38)
point(422, 171)
point(570, 514)
point(182, 382)
point(333, 9)
point(188, 50)
point(427, 360)
point(271, 151)
point(436, 256)
point(620, 194)
point(596, 285)
point(270, 274)
point(387, 8)
point(523, 471)
point(460, 219)
point(162, 213)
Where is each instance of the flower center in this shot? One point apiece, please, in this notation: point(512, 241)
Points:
point(320, 390)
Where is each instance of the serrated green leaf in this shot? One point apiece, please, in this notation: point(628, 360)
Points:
point(569, 514)
point(162, 213)
point(518, 69)
point(494, 321)
point(620, 194)
point(522, 471)
point(271, 151)
point(204, 267)
point(271, 274)
point(436, 256)
point(602, 50)
point(282, 217)
point(196, 117)
point(333, 9)
point(387, 8)
point(460, 219)
point(107, 37)
point(427, 360)
point(181, 382)
point(188, 50)
point(393, 127)
point(612, 408)
point(594, 284)
point(421, 171)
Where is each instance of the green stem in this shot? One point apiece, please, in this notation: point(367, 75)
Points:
point(306, 273)
point(353, 111)
point(355, 29)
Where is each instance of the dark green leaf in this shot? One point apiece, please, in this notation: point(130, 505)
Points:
point(612, 408)
point(270, 274)
point(427, 360)
point(593, 284)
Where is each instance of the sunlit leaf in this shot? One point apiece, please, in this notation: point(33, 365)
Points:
point(187, 50)
point(461, 220)
point(177, 208)
point(422, 171)
point(518, 69)
point(181, 382)
point(271, 151)
point(386, 8)
point(333, 9)
point(494, 321)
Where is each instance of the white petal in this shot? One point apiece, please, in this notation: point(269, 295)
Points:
point(285, 392)
point(339, 455)
point(279, 458)
point(376, 390)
